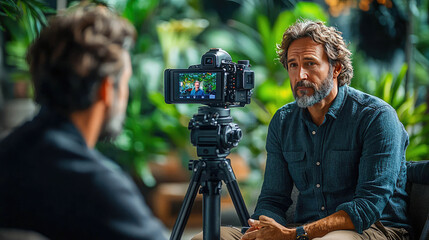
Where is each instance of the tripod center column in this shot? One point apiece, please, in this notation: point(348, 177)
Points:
point(211, 209)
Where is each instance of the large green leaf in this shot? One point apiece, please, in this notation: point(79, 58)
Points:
point(10, 9)
point(265, 33)
point(284, 20)
point(137, 11)
point(311, 11)
point(388, 82)
point(396, 98)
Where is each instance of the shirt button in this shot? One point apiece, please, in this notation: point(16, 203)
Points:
point(322, 208)
point(318, 185)
point(318, 163)
point(313, 132)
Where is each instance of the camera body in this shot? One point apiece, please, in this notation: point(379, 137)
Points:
point(216, 82)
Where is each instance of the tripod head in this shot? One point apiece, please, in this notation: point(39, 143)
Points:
point(213, 132)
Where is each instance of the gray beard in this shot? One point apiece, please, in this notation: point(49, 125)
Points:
point(305, 101)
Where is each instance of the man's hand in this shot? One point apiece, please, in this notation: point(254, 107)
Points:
point(267, 228)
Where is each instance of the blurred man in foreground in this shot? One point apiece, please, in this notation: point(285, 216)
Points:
point(52, 181)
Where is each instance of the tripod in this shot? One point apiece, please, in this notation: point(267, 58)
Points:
point(214, 134)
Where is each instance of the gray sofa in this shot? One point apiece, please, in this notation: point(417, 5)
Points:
point(418, 189)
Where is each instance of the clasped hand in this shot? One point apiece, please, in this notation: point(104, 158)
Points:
point(268, 228)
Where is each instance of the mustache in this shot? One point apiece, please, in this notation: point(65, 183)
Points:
point(304, 83)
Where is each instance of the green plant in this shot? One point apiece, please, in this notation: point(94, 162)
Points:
point(31, 17)
point(22, 20)
point(32, 12)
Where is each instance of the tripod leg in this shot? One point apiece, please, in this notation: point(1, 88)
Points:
point(185, 210)
point(211, 210)
point(234, 192)
point(237, 199)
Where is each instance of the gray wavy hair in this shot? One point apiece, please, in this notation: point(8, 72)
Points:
point(329, 37)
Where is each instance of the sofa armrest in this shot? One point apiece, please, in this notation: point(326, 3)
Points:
point(418, 209)
point(418, 172)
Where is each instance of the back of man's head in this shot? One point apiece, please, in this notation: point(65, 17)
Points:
point(74, 53)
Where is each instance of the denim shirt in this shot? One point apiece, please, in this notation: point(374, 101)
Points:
point(354, 161)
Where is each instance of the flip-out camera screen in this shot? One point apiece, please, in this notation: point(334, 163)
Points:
point(193, 86)
point(197, 85)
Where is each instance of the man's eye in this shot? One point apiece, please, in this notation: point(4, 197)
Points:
point(293, 65)
point(311, 63)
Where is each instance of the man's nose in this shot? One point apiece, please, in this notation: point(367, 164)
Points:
point(303, 74)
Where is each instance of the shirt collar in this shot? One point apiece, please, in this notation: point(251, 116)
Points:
point(338, 103)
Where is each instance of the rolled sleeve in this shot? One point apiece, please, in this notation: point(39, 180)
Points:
point(383, 153)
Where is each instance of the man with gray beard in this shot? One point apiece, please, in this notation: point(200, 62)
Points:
point(52, 181)
point(344, 150)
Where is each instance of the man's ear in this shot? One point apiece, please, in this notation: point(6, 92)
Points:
point(337, 70)
point(105, 91)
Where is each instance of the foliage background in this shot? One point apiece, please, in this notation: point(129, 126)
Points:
point(250, 29)
point(389, 39)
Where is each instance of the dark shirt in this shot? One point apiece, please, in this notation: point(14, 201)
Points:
point(354, 161)
point(52, 183)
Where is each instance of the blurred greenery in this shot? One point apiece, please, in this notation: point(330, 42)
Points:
point(420, 39)
point(29, 13)
point(22, 20)
point(175, 33)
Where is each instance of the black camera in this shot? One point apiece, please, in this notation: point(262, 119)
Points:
point(216, 82)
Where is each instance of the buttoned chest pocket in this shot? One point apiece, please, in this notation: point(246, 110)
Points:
point(342, 170)
point(297, 166)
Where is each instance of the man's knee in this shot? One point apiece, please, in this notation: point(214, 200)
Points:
point(341, 235)
point(199, 236)
point(226, 233)
point(372, 233)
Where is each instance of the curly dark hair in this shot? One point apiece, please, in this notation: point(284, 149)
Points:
point(74, 53)
point(329, 37)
